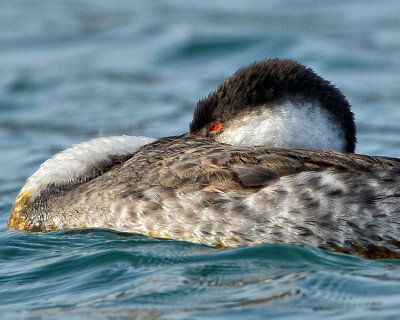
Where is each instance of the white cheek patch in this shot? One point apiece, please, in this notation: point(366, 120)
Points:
point(67, 166)
point(291, 125)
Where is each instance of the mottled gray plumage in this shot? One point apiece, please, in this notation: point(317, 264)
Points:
point(195, 189)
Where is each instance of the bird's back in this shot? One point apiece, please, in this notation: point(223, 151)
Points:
point(193, 188)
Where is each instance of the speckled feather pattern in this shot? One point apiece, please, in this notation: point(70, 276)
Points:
point(195, 189)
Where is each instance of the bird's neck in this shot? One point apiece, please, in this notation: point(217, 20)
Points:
point(291, 125)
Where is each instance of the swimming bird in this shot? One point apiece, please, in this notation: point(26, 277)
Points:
point(268, 158)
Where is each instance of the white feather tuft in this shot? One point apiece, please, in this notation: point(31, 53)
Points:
point(68, 165)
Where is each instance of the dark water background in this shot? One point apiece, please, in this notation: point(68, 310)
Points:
point(74, 70)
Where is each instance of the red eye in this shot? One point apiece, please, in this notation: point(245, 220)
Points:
point(214, 126)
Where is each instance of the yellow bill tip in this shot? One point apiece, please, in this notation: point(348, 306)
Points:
point(19, 215)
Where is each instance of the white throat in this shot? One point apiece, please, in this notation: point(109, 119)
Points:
point(291, 125)
point(69, 165)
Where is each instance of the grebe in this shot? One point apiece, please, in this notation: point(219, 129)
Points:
point(268, 159)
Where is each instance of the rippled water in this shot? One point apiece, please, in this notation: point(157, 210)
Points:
point(74, 70)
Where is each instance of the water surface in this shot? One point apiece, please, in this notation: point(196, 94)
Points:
point(74, 70)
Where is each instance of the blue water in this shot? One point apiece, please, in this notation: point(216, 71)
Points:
point(74, 70)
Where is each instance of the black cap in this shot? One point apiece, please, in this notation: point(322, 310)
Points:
point(269, 83)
